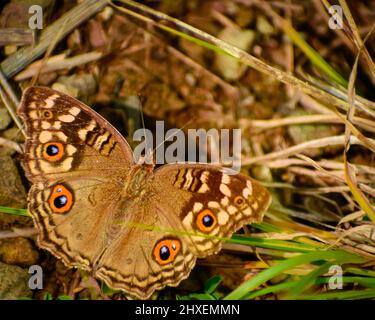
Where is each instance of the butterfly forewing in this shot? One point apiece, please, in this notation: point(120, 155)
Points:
point(66, 138)
point(77, 162)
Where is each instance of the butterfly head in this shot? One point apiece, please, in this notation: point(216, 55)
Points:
point(135, 184)
point(147, 159)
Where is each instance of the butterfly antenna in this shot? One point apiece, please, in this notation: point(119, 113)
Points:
point(173, 134)
point(49, 51)
point(143, 125)
point(11, 109)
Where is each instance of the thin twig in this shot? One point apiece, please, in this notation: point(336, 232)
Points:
point(8, 89)
point(10, 144)
point(11, 111)
point(300, 148)
point(334, 165)
point(58, 64)
point(305, 119)
point(51, 47)
point(17, 232)
point(195, 65)
point(16, 36)
point(358, 40)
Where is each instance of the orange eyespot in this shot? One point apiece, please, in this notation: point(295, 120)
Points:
point(53, 151)
point(61, 199)
point(166, 250)
point(240, 201)
point(206, 220)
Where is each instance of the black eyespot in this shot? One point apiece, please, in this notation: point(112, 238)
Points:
point(164, 253)
point(52, 150)
point(239, 200)
point(47, 114)
point(60, 201)
point(207, 221)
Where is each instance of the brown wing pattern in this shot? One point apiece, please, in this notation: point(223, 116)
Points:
point(212, 204)
point(197, 205)
point(79, 166)
point(130, 264)
point(86, 142)
point(77, 162)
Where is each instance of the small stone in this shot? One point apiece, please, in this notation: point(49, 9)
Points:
point(13, 282)
point(12, 191)
point(67, 89)
point(305, 132)
point(18, 251)
point(5, 119)
point(230, 68)
point(82, 86)
point(244, 17)
point(14, 134)
point(264, 27)
point(10, 49)
point(106, 13)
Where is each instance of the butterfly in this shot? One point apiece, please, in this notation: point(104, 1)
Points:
point(135, 227)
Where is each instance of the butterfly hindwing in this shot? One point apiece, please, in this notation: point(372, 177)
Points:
point(189, 210)
point(213, 202)
point(72, 217)
point(148, 255)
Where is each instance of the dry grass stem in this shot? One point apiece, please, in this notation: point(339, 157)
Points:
point(57, 63)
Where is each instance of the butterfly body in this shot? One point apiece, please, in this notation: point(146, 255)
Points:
point(135, 184)
point(136, 227)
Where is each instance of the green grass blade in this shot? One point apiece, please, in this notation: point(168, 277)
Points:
point(363, 281)
point(315, 58)
point(361, 272)
point(266, 227)
point(244, 289)
point(283, 245)
point(338, 294)
point(271, 289)
point(15, 211)
point(308, 280)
